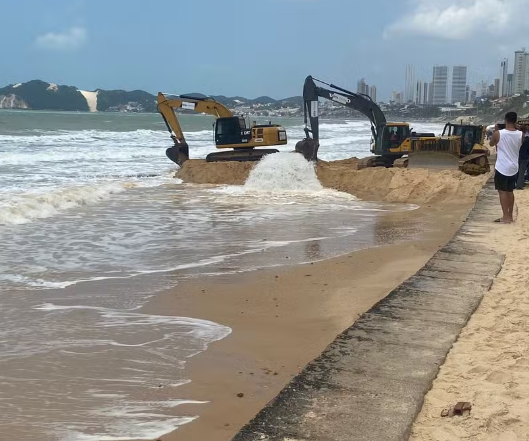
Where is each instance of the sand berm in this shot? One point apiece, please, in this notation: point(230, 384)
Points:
point(377, 184)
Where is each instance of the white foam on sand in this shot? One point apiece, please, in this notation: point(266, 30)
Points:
point(91, 99)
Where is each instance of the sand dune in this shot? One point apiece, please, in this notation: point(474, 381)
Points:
point(383, 184)
point(91, 99)
point(489, 365)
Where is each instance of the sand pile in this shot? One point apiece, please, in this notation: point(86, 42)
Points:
point(400, 184)
point(198, 171)
point(381, 184)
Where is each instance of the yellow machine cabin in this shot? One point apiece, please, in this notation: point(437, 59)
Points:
point(231, 132)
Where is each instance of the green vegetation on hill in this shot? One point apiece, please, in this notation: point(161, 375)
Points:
point(115, 100)
point(39, 96)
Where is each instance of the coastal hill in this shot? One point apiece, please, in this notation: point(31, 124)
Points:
point(41, 95)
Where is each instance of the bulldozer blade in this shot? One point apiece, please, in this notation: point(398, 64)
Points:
point(308, 148)
point(178, 154)
point(433, 160)
point(241, 155)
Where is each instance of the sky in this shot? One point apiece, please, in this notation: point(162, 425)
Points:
point(252, 48)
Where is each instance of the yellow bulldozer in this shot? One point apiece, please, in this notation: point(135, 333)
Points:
point(460, 147)
point(395, 144)
point(230, 131)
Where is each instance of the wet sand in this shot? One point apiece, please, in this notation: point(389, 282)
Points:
point(283, 318)
point(488, 366)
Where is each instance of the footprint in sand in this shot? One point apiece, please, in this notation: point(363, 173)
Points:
point(499, 377)
point(508, 436)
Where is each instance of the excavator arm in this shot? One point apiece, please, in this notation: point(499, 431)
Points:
point(361, 103)
point(180, 152)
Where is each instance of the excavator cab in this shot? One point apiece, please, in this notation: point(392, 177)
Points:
point(394, 136)
point(232, 130)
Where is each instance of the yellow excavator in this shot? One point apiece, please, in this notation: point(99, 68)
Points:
point(395, 144)
point(231, 132)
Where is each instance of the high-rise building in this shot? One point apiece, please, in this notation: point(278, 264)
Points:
point(426, 93)
point(459, 84)
point(521, 71)
point(510, 90)
point(468, 95)
point(482, 89)
point(491, 91)
point(419, 86)
point(430, 93)
point(373, 93)
point(409, 91)
point(497, 89)
point(362, 87)
point(440, 85)
point(396, 97)
point(421, 92)
point(503, 77)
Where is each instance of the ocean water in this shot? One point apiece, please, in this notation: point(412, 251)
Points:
point(93, 224)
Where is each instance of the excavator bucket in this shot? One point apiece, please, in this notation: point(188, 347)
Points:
point(308, 148)
point(178, 153)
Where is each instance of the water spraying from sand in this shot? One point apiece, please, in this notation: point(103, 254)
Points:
point(283, 172)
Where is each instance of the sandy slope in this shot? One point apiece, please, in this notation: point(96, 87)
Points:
point(391, 185)
point(91, 99)
point(489, 365)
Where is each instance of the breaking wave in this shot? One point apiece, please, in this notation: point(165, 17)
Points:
point(30, 206)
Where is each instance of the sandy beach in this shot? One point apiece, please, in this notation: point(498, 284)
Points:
point(283, 318)
point(488, 365)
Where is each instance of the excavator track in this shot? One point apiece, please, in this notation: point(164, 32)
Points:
point(240, 155)
point(475, 164)
point(380, 161)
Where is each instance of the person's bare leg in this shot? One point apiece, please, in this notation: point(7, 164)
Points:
point(505, 201)
point(511, 207)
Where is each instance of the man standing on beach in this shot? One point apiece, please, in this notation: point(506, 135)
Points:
point(523, 161)
point(508, 142)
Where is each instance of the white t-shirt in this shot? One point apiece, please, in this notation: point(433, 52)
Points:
point(508, 152)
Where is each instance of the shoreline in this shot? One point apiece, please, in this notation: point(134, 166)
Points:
point(370, 382)
point(282, 318)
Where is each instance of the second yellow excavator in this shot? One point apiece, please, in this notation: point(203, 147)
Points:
point(231, 132)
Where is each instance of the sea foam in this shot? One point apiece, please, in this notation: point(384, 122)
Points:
point(27, 207)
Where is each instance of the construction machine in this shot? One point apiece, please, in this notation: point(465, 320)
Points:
point(230, 131)
point(459, 147)
point(393, 143)
point(391, 140)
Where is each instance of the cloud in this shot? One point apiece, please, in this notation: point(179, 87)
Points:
point(69, 40)
point(460, 19)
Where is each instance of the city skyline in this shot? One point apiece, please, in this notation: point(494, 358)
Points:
point(451, 84)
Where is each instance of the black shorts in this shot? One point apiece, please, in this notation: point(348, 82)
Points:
point(505, 183)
